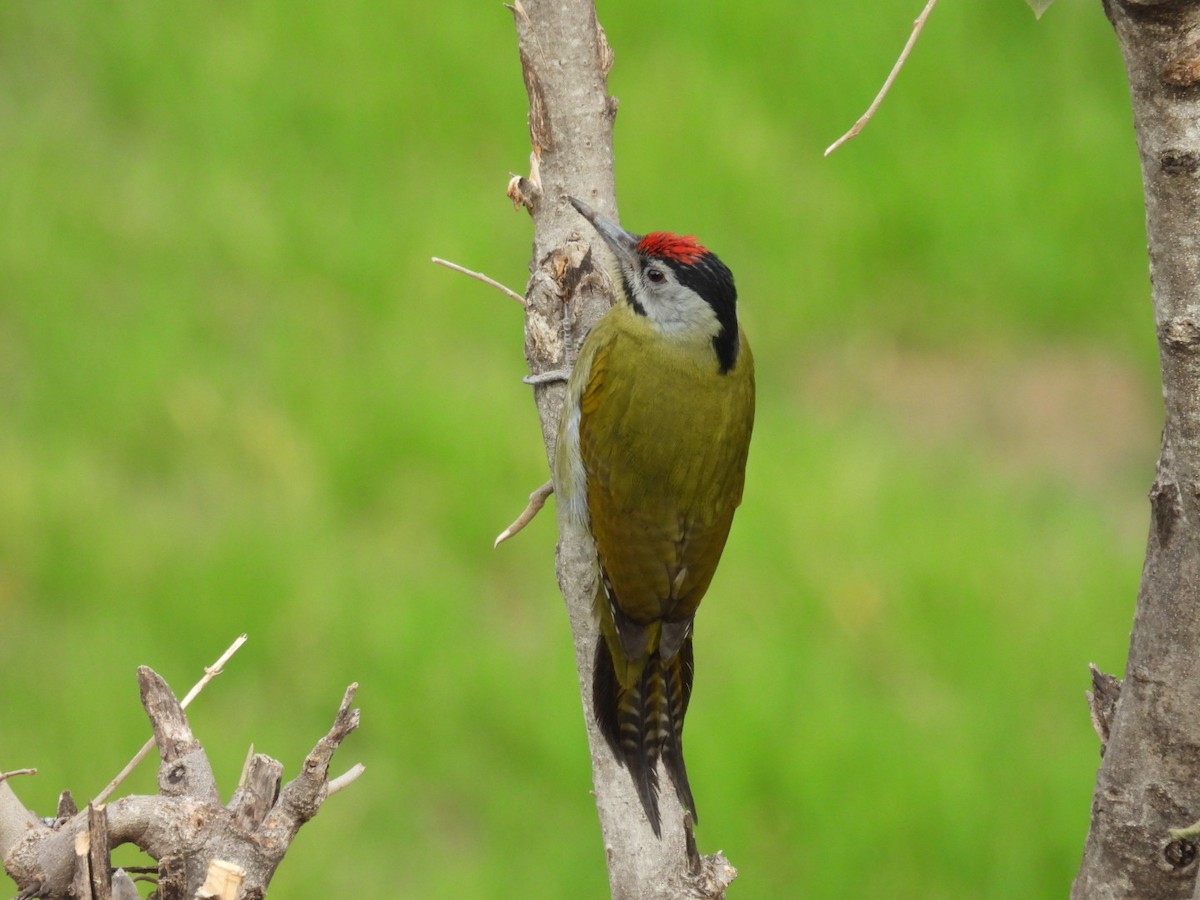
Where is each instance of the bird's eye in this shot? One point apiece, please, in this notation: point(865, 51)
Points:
point(655, 275)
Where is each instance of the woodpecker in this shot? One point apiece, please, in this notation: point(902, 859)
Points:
point(651, 459)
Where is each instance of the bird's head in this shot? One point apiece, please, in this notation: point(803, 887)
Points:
point(675, 282)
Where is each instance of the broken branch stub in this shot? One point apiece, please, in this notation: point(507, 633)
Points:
point(203, 849)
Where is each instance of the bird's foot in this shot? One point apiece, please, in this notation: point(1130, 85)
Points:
point(547, 377)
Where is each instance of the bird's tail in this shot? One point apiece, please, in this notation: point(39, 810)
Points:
point(644, 721)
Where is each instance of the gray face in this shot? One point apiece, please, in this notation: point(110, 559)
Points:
point(653, 287)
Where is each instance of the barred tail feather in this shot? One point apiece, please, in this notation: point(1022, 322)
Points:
point(644, 722)
point(679, 693)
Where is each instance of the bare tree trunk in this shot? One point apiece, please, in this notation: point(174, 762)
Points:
point(1149, 780)
point(565, 60)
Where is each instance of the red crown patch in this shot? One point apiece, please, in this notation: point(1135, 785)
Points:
point(680, 248)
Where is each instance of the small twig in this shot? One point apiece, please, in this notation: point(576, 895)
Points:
point(479, 276)
point(209, 674)
point(346, 779)
point(536, 501)
point(517, 9)
point(246, 766)
point(213, 671)
point(887, 84)
point(4, 776)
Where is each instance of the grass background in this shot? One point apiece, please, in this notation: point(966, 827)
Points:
point(236, 396)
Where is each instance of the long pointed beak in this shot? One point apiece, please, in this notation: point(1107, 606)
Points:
point(622, 243)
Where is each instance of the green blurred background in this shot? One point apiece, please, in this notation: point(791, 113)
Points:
point(235, 395)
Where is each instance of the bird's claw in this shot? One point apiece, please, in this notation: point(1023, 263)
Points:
point(547, 377)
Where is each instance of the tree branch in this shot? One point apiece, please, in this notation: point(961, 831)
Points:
point(858, 126)
point(1149, 778)
point(565, 60)
point(204, 849)
point(210, 673)
point(479, 276)
point(537, 500)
